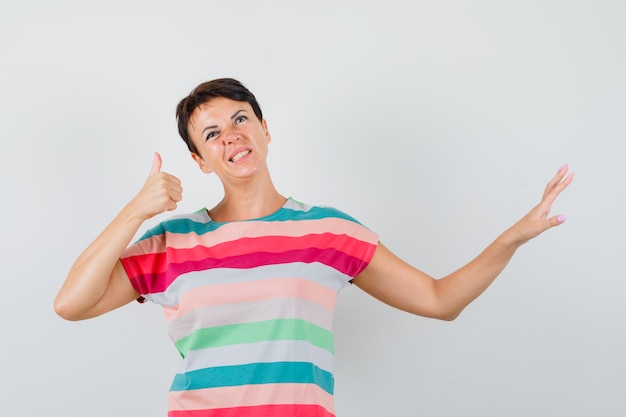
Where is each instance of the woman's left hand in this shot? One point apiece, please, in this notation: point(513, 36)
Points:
point(538, 220)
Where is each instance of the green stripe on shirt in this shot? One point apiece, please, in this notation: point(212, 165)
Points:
point(280, 329)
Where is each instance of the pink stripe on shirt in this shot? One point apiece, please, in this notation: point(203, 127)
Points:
point(250, 395)
point(251, 291)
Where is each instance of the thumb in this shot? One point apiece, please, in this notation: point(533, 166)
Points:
point(156, 165)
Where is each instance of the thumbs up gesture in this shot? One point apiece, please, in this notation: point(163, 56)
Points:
point(161, 192)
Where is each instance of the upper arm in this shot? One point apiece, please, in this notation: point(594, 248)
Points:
point(74, 306)
point(400, 285)
point(119, 292)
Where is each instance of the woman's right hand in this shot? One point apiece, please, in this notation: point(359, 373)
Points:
point(161, 192)
point(97, 282)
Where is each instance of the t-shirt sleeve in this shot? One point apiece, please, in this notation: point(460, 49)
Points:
point(143, 260)
point(366, 242)
point(354, 241)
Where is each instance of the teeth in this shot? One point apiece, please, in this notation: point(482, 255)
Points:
point(239, 155)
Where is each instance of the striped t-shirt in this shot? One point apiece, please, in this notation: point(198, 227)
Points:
point(249, 306)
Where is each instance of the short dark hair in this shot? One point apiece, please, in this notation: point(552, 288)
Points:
point(205, 92)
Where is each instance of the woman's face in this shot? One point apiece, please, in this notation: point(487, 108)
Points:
point(231, 141)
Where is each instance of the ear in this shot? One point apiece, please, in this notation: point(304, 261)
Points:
point(268, 137)
point(203, 166)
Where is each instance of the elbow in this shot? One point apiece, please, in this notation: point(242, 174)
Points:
point(63, 308)
point(438, 313)
point(449, 315)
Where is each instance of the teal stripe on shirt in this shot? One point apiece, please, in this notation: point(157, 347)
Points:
point(187, 225)
point(252, 374)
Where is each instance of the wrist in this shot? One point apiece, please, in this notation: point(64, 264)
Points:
point(132, 215)
point(512, 238)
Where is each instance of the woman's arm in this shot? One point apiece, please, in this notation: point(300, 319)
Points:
point(400, 285)
point(97, 283)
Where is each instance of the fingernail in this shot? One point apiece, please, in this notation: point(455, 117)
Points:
point(561, 219)
point(561, 169)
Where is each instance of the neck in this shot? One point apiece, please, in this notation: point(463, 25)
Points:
point(247, 201)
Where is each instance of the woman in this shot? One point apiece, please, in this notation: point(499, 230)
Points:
point(248, 287)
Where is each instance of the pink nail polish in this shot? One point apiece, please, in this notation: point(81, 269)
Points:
point(561, 219)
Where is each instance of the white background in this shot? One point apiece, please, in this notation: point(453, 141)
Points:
point(435, 123)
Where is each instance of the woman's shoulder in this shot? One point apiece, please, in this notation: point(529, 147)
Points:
point(179, 223)
point(317, 211)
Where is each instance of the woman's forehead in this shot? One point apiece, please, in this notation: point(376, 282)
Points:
point(218, 104)
point(216, 110)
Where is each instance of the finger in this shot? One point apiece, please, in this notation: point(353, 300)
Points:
point(557, 220)
point(171, 205)
point(556, 179)
point(176, 193)
point(548, 200)
point(552, 194)
point(156, 164)
point(558, 183)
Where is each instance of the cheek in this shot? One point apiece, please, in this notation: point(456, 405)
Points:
point(214, 152)
point(261, 133)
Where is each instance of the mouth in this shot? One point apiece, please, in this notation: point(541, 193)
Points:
point(237, 157)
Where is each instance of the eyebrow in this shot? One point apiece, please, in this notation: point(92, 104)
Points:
point(235, 114)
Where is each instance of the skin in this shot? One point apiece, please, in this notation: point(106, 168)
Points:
point(221, 128)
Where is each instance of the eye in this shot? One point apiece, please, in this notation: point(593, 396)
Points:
point(211, 135)
point(241, 119)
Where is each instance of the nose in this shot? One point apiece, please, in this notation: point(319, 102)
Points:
point(230, 136)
